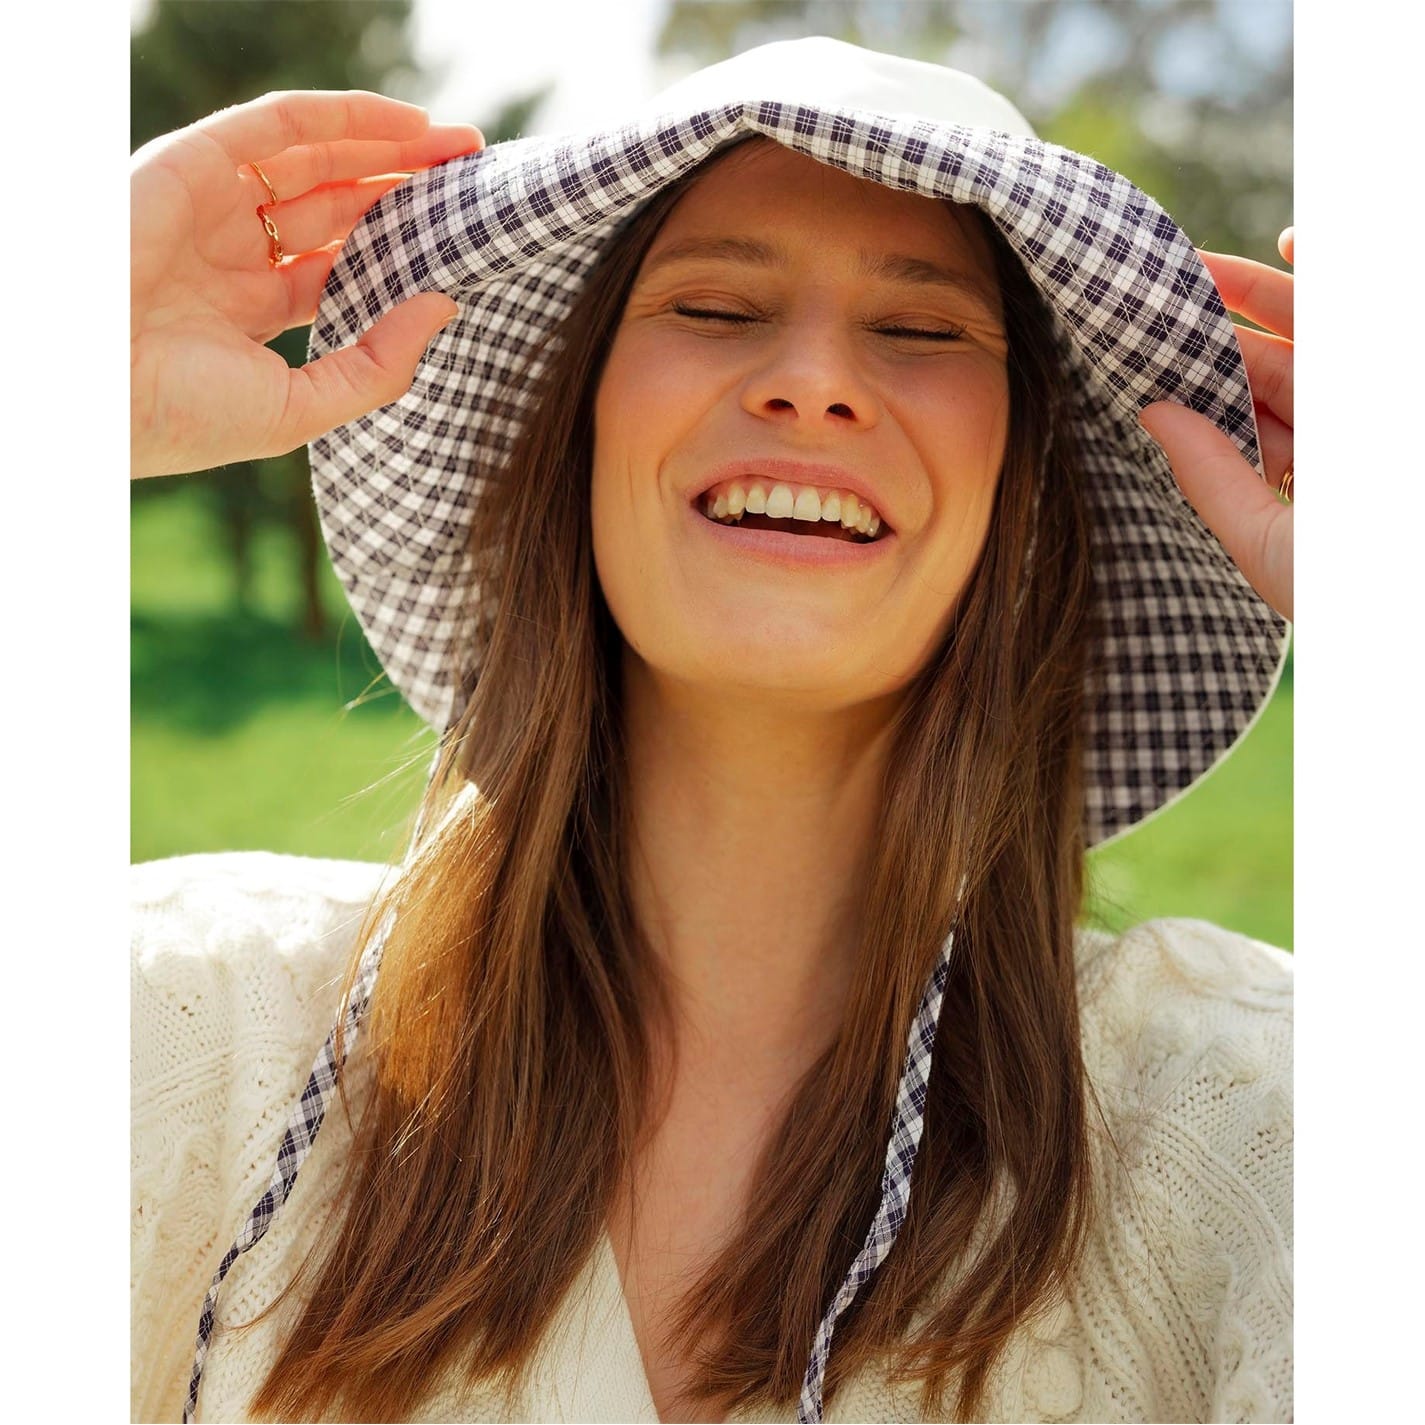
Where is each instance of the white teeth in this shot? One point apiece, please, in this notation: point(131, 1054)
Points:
point(779, 503)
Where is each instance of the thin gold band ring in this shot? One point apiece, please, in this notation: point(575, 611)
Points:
point(275, 255)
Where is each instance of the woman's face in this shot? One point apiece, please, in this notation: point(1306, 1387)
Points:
point(794, 326)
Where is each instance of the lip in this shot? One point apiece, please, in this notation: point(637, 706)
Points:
point(797, 472)
point(792, 551)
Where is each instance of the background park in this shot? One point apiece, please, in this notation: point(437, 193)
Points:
point(260, 718)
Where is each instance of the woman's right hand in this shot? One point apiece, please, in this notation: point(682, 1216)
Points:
point(204, 388)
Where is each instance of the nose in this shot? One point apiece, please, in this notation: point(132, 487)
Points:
point(811, 377)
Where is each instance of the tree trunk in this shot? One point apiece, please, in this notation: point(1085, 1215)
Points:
point(309, 545)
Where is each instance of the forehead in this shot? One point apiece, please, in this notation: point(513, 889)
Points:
point(761, 204)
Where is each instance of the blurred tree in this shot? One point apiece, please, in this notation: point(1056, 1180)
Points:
point(1188, 98)
point(192, 57)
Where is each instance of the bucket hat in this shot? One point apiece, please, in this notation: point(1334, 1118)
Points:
point(1188, 653)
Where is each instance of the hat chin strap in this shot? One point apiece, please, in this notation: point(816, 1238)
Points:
point(901, 1152)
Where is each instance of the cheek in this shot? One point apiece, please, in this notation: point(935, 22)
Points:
point(967, 407)
point(640, 410)
point(653, 395)
point(634, 428)
point(980, 458)
point(963, 447)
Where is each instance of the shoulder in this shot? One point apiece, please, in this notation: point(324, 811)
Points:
point(237, 966)
point(1187, 1028)
point(1180, 953)
point(218, 894)
point(1178, 1002)
point(242, 947)
point(244, 919)
point(1187, 1043)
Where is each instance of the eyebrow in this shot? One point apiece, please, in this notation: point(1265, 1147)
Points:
point(886, 267)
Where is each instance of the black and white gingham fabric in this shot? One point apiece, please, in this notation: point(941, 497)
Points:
point(1188, 652)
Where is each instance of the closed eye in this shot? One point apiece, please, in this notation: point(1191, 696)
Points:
point(924, 333)
point(742, 319)
point(708, 315)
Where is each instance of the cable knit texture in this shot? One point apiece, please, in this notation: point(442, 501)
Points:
point(1182, 1309)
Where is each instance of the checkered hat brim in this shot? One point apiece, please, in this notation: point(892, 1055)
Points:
point(1189, 651)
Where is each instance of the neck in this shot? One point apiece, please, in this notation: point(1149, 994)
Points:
point(752, 824)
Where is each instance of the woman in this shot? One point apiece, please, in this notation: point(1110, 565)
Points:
point(745, 843)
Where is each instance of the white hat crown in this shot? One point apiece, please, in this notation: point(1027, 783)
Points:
point(820, 72)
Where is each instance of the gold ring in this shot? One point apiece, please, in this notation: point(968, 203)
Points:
point(1284, 489)
point(275, 255)
point(271, 192)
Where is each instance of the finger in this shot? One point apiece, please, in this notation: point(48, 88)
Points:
point(1277, 442)
point(345, 384)
point(268, 308)
point(262, 128)
point(325, 215)
point(1270, 372)
point(1234, 502)
point(1260, 293)
point(310, 165)
point(1286, 245)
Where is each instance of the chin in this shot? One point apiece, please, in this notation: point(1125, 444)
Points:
point(775, 664)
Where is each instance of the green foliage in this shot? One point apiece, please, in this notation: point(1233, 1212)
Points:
point(715, 31)
point(194, 57)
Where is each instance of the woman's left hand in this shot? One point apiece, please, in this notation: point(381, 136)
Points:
point(1244, 512)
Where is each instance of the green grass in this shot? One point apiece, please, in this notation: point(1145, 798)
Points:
point(245, 736)
point(295, 779)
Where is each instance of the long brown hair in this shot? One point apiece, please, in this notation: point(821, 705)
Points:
point(510, 1029)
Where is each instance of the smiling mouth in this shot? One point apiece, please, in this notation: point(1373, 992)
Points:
point(814, 529)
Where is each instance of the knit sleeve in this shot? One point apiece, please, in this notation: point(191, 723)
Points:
point(237, 964)
point(1188, 1041)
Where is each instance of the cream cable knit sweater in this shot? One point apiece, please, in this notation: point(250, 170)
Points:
point(1182, 1310)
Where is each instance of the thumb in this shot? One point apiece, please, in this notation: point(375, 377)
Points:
point(378, 369)
point(1229, 495)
